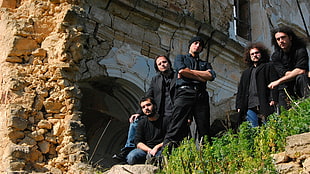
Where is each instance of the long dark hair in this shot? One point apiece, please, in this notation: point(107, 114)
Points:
point(297, 42)
point(262, 49)
point(155, 65)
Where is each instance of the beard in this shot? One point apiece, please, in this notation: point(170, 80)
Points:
point(150, 113)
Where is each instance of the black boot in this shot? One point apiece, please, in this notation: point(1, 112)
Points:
point(123, 154)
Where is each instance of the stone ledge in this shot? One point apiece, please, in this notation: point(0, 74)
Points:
point(129, 169)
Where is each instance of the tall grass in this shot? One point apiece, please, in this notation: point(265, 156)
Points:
point(247, 151)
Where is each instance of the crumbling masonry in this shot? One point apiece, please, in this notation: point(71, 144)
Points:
point(70, 69)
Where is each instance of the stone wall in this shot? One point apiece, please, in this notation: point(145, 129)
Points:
point(40, 121)
point(296, 157)
point(72, 71)
point(70, 64)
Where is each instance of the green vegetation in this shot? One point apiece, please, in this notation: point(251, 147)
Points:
point(247, 151)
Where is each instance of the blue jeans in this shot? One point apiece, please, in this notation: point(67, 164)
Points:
point(251, 116)
point(131, 134)
point(138, 156)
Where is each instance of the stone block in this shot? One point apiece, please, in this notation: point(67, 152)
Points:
point(23, 46)
point(100, 16)
point(50, 138)
point(44, 146)
point(122, 25)
point(35, 156)
point(288, 167)
point(57, 129)
point(8, 4)
point(17, 165)
point(44, 124)
point(280, 158)
point(39, 52)
point(105, 33)
point(306, 165)
point(28, 141)
point(13, 134)
point(298, 145)
point(18, 123)
point(14, 59)
point(52, 106)
point(38, 103)
point(119, 10)
point(139, 168)
point(36, 135)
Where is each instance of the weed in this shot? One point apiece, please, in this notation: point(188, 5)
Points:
point(247, 151)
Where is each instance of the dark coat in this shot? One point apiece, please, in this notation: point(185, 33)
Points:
point(156, 86)
point(296, 58)
point(265, 74)
point(155, 90)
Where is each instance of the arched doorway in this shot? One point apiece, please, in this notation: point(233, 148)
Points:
point(107, 103)
point(111, 92)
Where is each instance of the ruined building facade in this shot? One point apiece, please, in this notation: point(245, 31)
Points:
point(72, 71)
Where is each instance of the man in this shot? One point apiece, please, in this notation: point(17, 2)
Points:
point(162, 89)
point(150, 133)
point(290, 59)
point(254, 97)
point(191, 99)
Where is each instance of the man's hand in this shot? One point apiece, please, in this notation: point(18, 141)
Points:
point(133, 117)
point(201, 76)
point(155, 149)
point(289, 75)
point(272, 103)
point(274, 84)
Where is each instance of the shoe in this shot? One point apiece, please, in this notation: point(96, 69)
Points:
point(123, 154)
point(119, 157)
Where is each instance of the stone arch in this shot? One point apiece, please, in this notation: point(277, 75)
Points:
point(110, 97)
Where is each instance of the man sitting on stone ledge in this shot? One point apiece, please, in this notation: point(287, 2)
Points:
point(150, 133)
point(162, 90)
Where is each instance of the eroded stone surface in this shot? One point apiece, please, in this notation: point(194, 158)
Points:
point(52, 50)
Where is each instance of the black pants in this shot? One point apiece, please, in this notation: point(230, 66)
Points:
point(189, 102)
point(298, 88)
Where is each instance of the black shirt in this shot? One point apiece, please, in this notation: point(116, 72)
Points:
point(151, 133)
point(253, 97)
point(188, 61)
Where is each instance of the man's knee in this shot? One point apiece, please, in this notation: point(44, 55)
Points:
point(130, 159)
point(302, 79)
point(134, 157)
point(302, 85)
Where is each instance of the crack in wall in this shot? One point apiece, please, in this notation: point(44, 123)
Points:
point(148, 75)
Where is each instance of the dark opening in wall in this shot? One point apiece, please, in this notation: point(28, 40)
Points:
point(107, 103)
point(242, 18)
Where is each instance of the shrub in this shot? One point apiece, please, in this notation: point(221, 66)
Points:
point(247, 151)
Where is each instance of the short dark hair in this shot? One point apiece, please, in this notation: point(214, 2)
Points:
point(145, 98)
point(265, 55)
point(195, 39)
point(297, 42)
point(155, 65)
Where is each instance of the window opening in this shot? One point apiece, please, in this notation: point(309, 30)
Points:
point(242, 19)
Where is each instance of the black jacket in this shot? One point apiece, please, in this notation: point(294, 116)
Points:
point(155, 90)
point(265, 74)
point(296, 58)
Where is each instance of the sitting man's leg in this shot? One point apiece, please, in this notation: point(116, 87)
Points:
point(130, 145)
point(136, 156)
point(302, 85)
